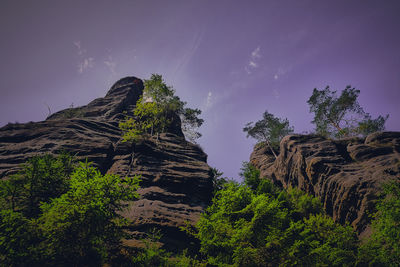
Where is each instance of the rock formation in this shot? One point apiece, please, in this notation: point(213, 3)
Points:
point(176, 184)
point(345, 175)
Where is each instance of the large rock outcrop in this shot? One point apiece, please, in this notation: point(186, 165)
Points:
point(346, 175)
point(176, 184)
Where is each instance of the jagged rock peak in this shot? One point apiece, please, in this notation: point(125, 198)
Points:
point(121, 97)
point(127, 83)
point(346, 175)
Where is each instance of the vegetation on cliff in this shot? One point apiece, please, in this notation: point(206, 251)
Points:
point(270, 130)
point(57, 213)
point(254, 223)
point(333, 117)
point(342, 116)
point(155, 111)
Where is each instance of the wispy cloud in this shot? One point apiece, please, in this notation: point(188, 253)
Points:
point(281, 71)
point(190, 51)
point(256, 53)
point(208, 101)
point(253, 62)
point(78, 45)
point(85, 62)
point(111, 64)
point(276, 93)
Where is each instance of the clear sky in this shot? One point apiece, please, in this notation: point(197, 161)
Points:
point(232, 59)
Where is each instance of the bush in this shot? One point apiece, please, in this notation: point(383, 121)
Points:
point(265, 226)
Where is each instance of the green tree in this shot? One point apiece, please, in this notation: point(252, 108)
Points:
point(190, 123)
point(383, 247)
point(53, 213)
point(83, 225)
point(218, 181)
point(20, 240)
point(40, 179)
point(246, 227)
point(343, 115)
point(269, 130)
point(155, 111)
point(250, 175)
point(369, 125)
point(149, 118)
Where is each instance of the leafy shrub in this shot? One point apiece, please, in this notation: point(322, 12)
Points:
point(257, 224)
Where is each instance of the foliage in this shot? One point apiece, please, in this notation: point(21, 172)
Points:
point(155, 111)
point(190, 122)
point(150, 118)
point(41, 179)
point(343, 115)
point(369, 125)
point(67, 216)
point(383, 247)
point(269, 130)
point(250, 175)
point(19, 240)
point(257, 224)
point(82, 225)
point(217, 179)
point(154, 255)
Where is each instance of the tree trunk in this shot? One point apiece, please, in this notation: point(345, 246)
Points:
point(272, 150)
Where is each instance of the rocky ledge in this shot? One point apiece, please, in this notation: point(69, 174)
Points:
point(346, 175)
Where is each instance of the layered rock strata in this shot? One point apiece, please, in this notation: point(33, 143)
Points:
point(346, 175)
point(176, 184)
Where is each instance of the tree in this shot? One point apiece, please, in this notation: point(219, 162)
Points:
point(246, 227)
point(41, 179)
point(83, 225)
point(149, 118)
point(343, 115)
point(217, 180)
point(190, 123)
point(155, 111)
point(383, 247)
point(369, 125)
point(56, 214)
point(269, 130)
point(250, 175)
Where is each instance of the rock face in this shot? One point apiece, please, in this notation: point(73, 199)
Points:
point(345, 175)
point(176, 184)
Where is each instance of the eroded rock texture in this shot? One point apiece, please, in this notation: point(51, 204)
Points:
point(344, 174)
point(176, 184)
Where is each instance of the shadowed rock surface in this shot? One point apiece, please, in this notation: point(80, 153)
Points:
point(345, 175)
point(176, 184)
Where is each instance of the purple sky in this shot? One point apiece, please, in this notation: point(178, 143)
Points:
point(232, 59)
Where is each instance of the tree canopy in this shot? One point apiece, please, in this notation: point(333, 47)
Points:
point(383, 247)
point(342, 116)
point(155, 111)
point(270, 130)
point(262, 225)
point(57, 213)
